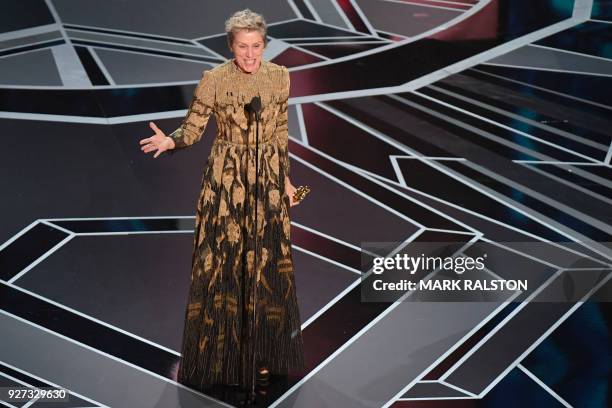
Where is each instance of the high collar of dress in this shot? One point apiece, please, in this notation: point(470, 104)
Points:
point(237, 69)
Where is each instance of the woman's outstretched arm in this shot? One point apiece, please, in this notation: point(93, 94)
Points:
point(198, 114)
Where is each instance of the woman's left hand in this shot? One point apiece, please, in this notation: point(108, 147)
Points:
point(290, 190)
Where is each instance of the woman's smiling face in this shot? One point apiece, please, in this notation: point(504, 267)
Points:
point(248, 47)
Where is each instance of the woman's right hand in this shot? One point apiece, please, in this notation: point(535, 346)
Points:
point(159, 141)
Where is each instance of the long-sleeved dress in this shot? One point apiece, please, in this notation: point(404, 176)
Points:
point(219, 337)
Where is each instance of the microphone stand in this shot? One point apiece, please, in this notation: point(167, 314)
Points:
point(255, 107)
point(255, 254)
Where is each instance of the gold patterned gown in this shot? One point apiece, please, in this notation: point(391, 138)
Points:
point(219, 338)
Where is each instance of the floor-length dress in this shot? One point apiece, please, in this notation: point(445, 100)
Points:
point(219, 338)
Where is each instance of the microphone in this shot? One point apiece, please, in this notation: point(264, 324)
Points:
point(255, 106)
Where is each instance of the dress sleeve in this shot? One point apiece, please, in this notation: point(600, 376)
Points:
point(199, 111)
point(282, 132)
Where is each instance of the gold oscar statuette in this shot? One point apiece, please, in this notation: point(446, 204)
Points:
point(300, 193)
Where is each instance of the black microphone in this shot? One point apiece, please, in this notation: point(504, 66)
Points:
point(255, 106)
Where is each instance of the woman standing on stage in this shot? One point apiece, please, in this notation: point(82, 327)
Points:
point(220, 343)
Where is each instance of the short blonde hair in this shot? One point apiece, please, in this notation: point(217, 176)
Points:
point(245, 20)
